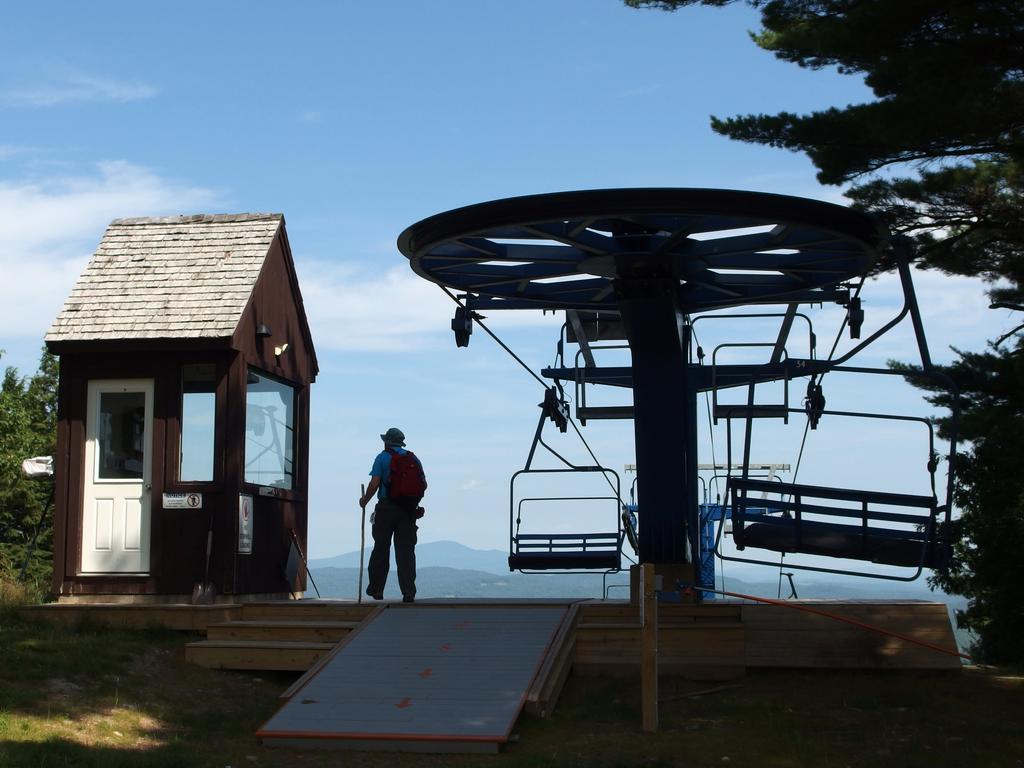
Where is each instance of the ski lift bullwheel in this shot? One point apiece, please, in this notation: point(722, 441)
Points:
point(654, 256)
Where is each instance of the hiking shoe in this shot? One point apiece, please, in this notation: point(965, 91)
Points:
point(375, 595)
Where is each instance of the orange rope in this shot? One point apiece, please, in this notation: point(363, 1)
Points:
point(837, 617)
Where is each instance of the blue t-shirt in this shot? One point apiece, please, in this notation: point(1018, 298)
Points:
point(382, 469)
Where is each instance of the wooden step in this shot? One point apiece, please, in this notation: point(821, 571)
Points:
point(613, 611)
point(303, 610)
point(182, 617)
point(778, 636)
point(713, 650)
point(290, 631)
point(255, 654)
point(662, 625)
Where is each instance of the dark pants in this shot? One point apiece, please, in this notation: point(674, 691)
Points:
point(392, 520)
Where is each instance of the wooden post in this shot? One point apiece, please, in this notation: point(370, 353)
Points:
point(648, 649)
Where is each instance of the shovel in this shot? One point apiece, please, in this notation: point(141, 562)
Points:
point(203, 593)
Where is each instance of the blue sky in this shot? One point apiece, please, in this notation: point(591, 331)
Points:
point(356, 119)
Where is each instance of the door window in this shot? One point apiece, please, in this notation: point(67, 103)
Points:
point(122, 436)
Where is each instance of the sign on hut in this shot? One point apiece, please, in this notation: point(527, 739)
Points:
point(185, 369)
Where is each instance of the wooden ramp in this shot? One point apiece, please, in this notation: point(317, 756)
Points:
point(428, 678)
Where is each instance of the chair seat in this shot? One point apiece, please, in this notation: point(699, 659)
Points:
point(565, 551)
point(564, 560)
point(878, 545)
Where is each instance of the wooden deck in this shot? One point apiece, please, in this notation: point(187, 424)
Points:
point(714, 640)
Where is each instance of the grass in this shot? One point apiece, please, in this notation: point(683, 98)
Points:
point(91, 696)
point(822, 719)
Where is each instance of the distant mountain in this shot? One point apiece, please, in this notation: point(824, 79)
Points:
point(441, 581)
point(454, 558)
point(445, 581)
point(449, 554)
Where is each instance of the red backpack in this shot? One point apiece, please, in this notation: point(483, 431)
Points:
point(407, 483)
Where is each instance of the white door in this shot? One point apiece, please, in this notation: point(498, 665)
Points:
point(118, 476)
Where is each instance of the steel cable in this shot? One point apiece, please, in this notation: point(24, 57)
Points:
point(544, 384)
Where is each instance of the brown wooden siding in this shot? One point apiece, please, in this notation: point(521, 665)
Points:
point(276, 303)
point(178, 537)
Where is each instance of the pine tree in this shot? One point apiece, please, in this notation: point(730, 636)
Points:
point(28, 427)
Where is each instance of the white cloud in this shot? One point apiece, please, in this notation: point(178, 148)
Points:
point(49, 227)
point(351, 309)
point(74, 88)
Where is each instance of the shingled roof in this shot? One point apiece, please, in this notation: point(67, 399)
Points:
point(177, 277)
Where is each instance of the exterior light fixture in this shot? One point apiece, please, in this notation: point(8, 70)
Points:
point(262, 331)
point(462, 325)
point(856, 317)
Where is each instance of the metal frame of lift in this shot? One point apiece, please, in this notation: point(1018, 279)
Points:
point(934, 546)
point(713, 515)
point(562, 552)
point(931, 530)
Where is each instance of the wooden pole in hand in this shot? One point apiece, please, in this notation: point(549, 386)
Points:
point(362, 544)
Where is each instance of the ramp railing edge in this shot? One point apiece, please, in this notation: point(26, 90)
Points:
point(559, 653)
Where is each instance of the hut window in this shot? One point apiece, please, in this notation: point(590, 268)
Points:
point(269, 431)
point(198, 427)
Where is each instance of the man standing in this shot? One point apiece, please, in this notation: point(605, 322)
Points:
point(397, 479)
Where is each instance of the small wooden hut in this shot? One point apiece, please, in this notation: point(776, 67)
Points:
point(185, 369)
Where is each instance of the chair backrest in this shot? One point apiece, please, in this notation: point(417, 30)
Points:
point(836, 522)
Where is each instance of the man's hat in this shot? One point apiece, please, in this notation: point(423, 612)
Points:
point(393, 436)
